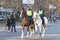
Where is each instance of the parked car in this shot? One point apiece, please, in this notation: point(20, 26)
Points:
point(4, 12)
point(2, 17)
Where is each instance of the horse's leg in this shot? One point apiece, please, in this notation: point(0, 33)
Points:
point(36, 27)
point(22, 32)
point(27, 31)
point(40, 28)
point(43, 30)
point(32, 30)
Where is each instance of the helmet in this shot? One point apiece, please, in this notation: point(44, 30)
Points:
point(29, 8)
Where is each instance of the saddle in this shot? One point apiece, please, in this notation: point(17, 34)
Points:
point(30, 20)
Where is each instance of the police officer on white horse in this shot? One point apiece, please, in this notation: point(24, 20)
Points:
point(41, 13)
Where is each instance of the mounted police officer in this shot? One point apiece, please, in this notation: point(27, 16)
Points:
point(30, 14)
point(41, 13)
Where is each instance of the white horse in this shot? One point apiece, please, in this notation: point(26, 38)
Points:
point(38, 23)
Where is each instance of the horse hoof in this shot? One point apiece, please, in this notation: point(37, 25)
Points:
point(42, 35)
point(27, 36)
point(22, 37)
point(33, 34)
point(30, 36)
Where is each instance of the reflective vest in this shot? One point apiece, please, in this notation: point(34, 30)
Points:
point(29, 12)
point(40, 12)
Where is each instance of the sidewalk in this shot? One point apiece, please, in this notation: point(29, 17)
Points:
point(3, 26)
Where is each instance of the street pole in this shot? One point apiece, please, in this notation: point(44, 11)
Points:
point(52, 15)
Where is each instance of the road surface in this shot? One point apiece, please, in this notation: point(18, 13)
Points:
point(52, 33)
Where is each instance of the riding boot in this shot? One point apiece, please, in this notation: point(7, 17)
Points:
point(42, 17)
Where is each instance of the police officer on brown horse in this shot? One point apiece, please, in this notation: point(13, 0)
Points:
point(29, 15)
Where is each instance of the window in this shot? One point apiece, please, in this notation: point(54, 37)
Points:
point(0, 12)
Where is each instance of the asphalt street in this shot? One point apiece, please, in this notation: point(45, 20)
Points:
point(52, 33)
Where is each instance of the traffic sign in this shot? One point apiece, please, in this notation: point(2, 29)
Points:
point(28, 1)
point(52, 6)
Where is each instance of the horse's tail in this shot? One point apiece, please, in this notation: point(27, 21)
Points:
point(46, 20)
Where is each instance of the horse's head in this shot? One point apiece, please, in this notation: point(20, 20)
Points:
point(20, 15)
point(23, 14)
point(35, 15)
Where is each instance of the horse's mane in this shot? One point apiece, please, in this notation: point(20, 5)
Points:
point(24, 13)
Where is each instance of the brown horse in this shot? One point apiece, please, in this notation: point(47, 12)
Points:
point(25, 23)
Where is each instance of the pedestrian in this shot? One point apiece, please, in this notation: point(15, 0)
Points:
point(13, 23)
point(8, 22)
